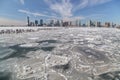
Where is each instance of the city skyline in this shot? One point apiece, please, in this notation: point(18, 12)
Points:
point(15, 11)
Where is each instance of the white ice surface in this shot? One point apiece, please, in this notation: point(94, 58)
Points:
point(103, 40)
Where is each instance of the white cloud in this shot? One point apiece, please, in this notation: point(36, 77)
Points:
point(31, 13)
point(22, 2)
point(66, 8)
point(7, 21)
point(63, 8)
point(94, 2)
point(86, 3)
point(81, 4)
point(74, 18)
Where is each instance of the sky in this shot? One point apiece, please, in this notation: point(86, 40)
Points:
point(15, 11)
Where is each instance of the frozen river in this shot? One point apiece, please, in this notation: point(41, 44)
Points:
point(61, 54)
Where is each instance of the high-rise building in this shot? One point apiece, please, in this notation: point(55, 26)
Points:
point(90, 23)
point(57, 23)
point(31, 24)
point(65, 24)
point(28, 21)
point(107, 24)
point(61, 24)
point(70, 23)
point(97, 24)
point(52, 23)
point(113, 25)
point(36, 22)
point(79, 23)
point(41, 22)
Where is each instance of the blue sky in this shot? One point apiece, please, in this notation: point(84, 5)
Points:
point(16, 11)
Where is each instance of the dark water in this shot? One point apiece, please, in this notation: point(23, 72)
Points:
point(5, 76)
point(20, 52)
point(16, 51)
point(47, 48)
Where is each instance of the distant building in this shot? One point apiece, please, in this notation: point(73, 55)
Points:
point(90, 23)
point(57, 23)
point(36, 22)
point(79, 23)
point(65, 24)
point(41, 22)
point(28, 21)
point(98, 24)
point(113, 25)
point(69, 23)
point(32, 24)
point(52, 23)
point(61, 24)
point(84, 25)
point(107, 24)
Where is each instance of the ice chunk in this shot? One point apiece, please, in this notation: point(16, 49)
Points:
point(29, 45)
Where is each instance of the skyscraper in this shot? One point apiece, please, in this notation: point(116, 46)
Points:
point(52, 23)
point(107, 24)
point(41, 22)
point(79, 23)
point(98, 24)
point(57, 23)
point(89, 23)
point(28, 21)
point(36, 22)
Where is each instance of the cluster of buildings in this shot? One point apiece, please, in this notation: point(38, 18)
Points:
point(35, 23)
point(69, 23)
point(99, 24)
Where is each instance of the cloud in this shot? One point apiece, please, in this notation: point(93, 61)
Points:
point(31, 13)
point(63, 7)
point(82, 4)
point(87, 3)
point(7, 21)
point(22, 2)
point(74, 18)
point(94, 2)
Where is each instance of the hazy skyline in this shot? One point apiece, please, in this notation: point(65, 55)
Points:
point(15, 11)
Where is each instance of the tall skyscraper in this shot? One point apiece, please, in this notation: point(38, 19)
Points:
point(57, 23)
point(107, 24)
point(28, 21)
point(52, 23)
point(61, 23)
point(89, 23)
point(70, 23)
point(41, 22)
point(79, 23)
point(98, 24)
point(36, 22)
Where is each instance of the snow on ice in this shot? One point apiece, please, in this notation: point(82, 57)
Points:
point(60, 54)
